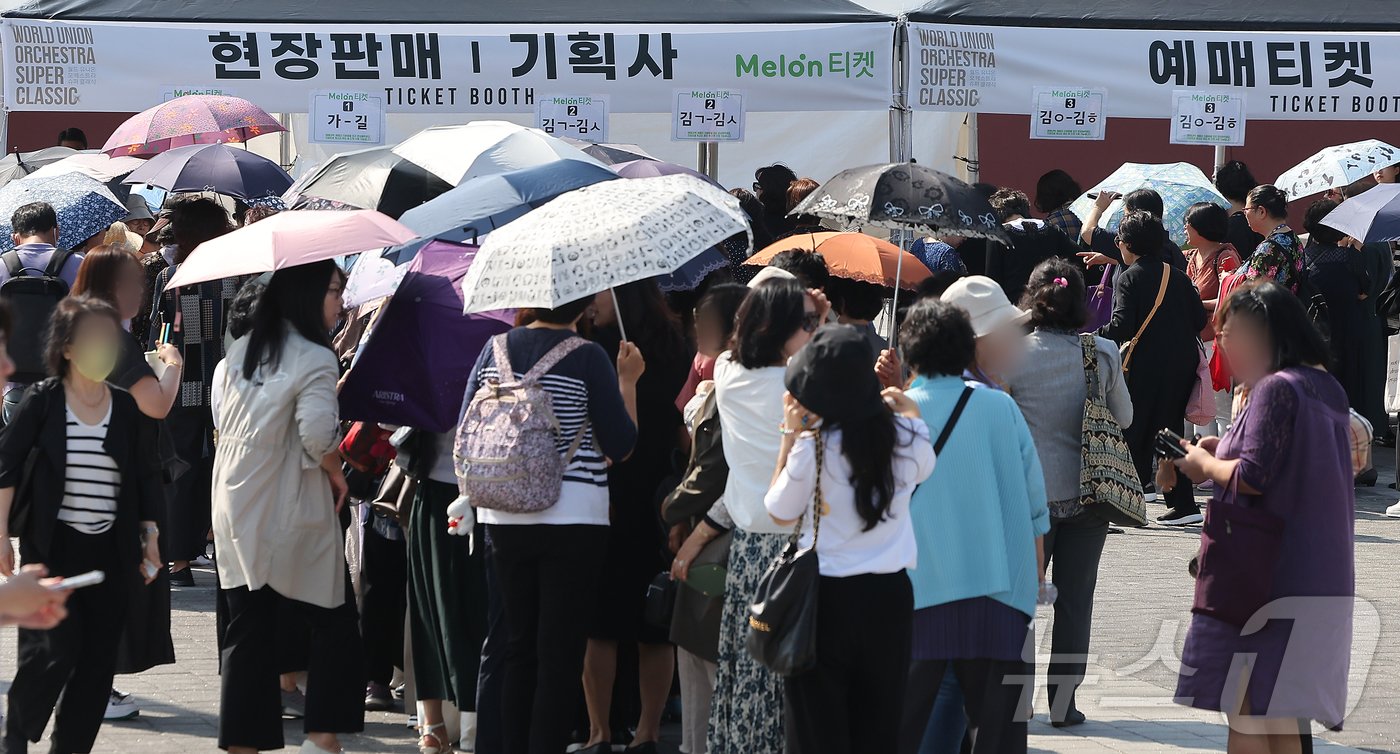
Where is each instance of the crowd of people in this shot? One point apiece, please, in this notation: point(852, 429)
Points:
point(940, 483)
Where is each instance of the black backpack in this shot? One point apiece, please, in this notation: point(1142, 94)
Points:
point(32, 300)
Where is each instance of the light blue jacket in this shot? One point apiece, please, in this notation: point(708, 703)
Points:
point(976, 518)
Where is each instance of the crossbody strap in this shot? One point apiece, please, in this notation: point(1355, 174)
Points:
point(953, 419)
point(1161, 294)
point(1091, 365)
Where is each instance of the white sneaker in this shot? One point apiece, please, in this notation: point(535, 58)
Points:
point(1393, 511)
point(201, 562)
point(120, 707)
point(307, 747)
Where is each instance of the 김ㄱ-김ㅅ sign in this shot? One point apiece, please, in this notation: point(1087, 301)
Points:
point(340, 117)
point(1068, 113)
point(1284, 75)
point(56, 65)
point(708, 115)
point(582, 116)
point(1212, 118)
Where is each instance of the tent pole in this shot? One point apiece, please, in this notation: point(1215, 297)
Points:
point(284, 146)
point(712, 148)
point(4, 130)
point(1219, 159)
point(901, 125)
point(974, 157)
point(702, 158)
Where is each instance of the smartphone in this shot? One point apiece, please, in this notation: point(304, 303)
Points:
point(91, 578)
point(1168, 445)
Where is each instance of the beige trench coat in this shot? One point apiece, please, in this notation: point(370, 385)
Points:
point(274, 516)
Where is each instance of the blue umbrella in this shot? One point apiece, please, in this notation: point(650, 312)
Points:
point(1372, 217)
point(84, 206)
point(214, 167)
point(482, 204)
point(1180, 185)
point(694, 272)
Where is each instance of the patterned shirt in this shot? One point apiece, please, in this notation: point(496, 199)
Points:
point(1067, 221)
point(1279, 258)
point(198, 320)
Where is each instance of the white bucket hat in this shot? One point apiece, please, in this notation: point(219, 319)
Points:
point(985, 303)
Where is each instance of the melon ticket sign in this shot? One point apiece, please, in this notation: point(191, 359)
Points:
point(1208, 118)
point(1068, 113)
point(341, 117)
point(580, 116)
point(708, 115)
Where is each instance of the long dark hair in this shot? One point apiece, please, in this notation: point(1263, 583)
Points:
point(723, 301)
point(1294, 340)
point(649, 321)
point(868, 445)
point(768, 317)
point(295, 298)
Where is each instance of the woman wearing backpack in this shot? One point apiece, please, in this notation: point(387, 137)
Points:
point(278, 489)
point(548, 561)
point(774, 322)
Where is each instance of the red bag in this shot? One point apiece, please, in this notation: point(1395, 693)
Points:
point(366, 448)
point(1220, 376)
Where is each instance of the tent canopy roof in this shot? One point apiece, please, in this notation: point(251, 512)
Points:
point(446, 11)
point(1229, 15)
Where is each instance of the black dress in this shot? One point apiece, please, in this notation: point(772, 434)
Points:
point(1241, 236)
point(1162, 371)
point(1032, 242)
point(1338, 277)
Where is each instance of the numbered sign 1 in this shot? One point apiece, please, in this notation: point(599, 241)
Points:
point(707, 115)
point(1213, 118)
point(1067, 113)
point(344, 117)
point(579, 116)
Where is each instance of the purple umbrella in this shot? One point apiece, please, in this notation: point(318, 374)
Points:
point(654, 168)
point(213, 167)
point(413, 370)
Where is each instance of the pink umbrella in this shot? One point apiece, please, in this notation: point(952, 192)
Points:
point(288, 239)
point(192, 119)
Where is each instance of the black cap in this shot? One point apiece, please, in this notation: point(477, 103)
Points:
point(833, 376)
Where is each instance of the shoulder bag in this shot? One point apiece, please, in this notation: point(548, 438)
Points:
point(1240, 546)
point(1108, 479)
point(1131, 346)
point(783, 616)
point(1100, 300)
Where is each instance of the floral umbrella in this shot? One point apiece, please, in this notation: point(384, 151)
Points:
point(84, 206)
point(192, 119)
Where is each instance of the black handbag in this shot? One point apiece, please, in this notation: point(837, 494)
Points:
point(660, 601)
point(783, 616)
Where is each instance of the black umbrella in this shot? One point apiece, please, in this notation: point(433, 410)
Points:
point(904, 196)
point(374, 178)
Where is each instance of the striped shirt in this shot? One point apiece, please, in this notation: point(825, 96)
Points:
point(90, 478)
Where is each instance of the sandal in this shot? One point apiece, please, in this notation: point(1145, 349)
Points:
point(432, 743)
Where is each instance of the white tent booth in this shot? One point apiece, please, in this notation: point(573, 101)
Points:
point(816, 76)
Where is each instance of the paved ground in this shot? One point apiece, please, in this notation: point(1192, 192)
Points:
point(1143, 597)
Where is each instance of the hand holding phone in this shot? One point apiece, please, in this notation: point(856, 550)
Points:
point(91, 578)
point(1168, 445)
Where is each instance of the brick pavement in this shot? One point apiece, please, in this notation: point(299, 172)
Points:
point(1140, 620)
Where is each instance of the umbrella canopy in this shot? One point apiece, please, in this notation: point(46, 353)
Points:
point(93, 164)
point(19, 164)
point(599, 237)
point(609, 154)
point(413, 369)
point(484, 147)
point(288, 239)
point(1336, 167)
point(482, 204)
point(1370, 217)
point(84, 206)
point(1180, 185)
point(654, 168)
point(373, 178)
point(690, 275)
point(373, 277)
point(853, 256)
point(904, 195)
point(192, 119)
point(213, 167)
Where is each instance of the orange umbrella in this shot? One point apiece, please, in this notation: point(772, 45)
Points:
point(854, 256)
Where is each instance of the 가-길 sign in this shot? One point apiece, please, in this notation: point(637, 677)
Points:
point(1067, 113)
point(707, 115)
point(580, 116)
point(1210, 118)
point(341, 117)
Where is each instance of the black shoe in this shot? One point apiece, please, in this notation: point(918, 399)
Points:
point(182, 577)
point(1072, 718)
point(15, 746)
point(602, 748)
point(1367, 478)
point(1180, 518)
point(644, 748)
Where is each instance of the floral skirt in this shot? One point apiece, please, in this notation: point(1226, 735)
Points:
point(747, 712)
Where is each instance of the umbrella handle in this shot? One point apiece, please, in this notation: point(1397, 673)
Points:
point(618, 311)
point(472, 230)
point(894, 303)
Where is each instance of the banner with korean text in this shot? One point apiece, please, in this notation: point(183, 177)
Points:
point(51, 65)
point(1282, 75)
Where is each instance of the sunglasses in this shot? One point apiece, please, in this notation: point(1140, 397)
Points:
point(810, 322)
point(757, 188)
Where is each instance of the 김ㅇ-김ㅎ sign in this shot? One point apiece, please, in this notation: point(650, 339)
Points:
point(53, 65)
point(1211, 118)
point(583, 116)
point(1285, 75)
point(708, 115)
point(1066, 113)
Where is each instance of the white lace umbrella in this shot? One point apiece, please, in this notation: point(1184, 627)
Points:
point(599, 237)
point(484, 147)
point(1336, 167)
